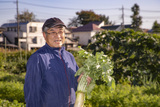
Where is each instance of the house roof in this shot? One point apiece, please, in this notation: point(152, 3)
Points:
point(110, 27)
point(114, 27)
point(13, 24)
point(88, 27)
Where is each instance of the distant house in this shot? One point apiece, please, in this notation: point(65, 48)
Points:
point(116, 27)
point(30, 34)
point(85, 33)
point(1, 34)
point(69, 41)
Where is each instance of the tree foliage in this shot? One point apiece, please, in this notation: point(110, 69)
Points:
point(156, 27)
point(136, 18)
point(84, 17)
point(134, 54)
point(26, 16)
point(74, 22)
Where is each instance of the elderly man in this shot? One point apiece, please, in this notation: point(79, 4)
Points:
point(50, 80)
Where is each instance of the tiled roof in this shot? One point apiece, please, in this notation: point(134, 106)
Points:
point(110, 27)
point(87, 27)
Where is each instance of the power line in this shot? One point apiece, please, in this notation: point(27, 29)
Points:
point(64, 8)
point(2, 1)
point(146, 17)
point(47, 6)
point(155, 11)
point(7, 8)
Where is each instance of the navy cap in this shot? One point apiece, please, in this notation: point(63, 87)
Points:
point(51, 22)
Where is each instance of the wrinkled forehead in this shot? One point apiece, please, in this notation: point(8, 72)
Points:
point(57, 28)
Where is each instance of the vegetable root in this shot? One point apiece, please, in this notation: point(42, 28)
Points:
point(79, 99)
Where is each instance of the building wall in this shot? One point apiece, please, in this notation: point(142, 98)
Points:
point(1, 38)
point(84, 37)
point(11, 32)
point(30, 33)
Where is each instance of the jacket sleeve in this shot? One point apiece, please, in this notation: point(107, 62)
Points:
point(32, 85)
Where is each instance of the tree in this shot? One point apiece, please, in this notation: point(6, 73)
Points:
point(26, 16)
point(156, 27)
point(74, 22)
point(84, 17)
point(136, 18)
point(105, 19)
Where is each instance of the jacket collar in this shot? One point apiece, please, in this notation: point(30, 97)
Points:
point(55, 49)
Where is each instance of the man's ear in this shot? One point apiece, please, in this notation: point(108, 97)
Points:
point(44, 35)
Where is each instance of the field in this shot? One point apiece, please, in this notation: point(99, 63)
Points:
point(12, 80)
point(136, 59)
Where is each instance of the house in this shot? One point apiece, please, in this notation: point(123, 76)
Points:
point(85, 33)
point(30, 34)
point(3, 40)
point(1, 34)
point(116, 27)
point(69, 41)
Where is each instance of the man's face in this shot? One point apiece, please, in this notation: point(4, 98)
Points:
point(55, 37)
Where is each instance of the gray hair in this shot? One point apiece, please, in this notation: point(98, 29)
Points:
point(45, 29)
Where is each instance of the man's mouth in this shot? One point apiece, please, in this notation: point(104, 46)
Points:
point(57, 40)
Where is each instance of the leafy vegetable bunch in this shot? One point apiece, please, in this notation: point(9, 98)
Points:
point(95, 66)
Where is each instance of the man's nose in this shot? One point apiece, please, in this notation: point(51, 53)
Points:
point(58, 35)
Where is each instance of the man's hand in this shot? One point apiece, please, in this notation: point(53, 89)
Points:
point(89, 79)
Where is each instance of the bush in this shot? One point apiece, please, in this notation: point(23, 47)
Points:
point(12, 91)
point(124, 96)
point(15, 103)
point(9, 77)
point(134, 54)
point(14, 62)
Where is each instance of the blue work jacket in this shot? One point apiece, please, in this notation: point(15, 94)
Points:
point(50, 80)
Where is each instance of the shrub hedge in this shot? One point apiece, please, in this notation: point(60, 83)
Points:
point(134, 54)
point(124, 96)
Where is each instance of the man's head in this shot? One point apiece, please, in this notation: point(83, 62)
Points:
point(53, 32)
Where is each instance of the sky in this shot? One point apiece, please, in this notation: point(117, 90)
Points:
point(66, 9)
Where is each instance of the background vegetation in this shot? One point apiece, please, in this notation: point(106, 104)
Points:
point(135, 54)
point(136, 59)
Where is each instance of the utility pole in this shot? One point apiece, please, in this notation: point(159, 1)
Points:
point(19, 45)
point(18, 26)
point(123, 17)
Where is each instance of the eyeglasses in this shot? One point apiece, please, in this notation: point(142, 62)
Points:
point(55, 33)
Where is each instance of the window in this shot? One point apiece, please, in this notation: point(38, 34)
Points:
point(34, 40)
point(32, 29)
point(12, 29)
point(15, 29)
point(89, 40)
